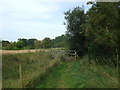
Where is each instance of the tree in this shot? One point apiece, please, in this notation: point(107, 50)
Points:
point(36, 44)
point(60, 41)
point(102, 30)
point(31, 43)
point(25, 41)
point(95, 33)
point(11, 46)
point(20, 44)
point(102, 24)
point(74, 20)
point(5, 44)
point(46, 43)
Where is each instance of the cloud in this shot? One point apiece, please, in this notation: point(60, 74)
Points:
point(33, 18)
point(27, 9)
point(29, 18)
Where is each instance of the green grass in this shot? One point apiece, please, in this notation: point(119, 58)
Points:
point(39, 70)
point(34, 65)
point(78, 74)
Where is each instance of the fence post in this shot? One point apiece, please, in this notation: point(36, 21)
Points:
point(76, 54)
point(20, 75)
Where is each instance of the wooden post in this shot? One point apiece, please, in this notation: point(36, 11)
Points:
point(20, 75)
point(75, 54)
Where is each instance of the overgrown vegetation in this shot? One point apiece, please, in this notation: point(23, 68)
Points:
point(95, 33)
point(43, 69)
point(33, 66)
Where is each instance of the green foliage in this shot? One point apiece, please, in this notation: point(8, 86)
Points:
point(60, 41)
point(46, 43)
point(25, 41)
point(9, 46)
point(37, 44)
point(101, 30)
point(74, 20)
point(19, 44)
point(95, 33)
point(5, 43)
point(31, 43)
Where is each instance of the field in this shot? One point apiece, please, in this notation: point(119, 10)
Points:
point(21, 70)
point(44, 69)
point(20, 51)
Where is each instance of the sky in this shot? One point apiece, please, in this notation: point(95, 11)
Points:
point(34, 18)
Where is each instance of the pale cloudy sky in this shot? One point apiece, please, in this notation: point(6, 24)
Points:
point(34, 18)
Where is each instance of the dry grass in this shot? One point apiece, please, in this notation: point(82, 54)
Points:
point(20, 51)
point(34, 66)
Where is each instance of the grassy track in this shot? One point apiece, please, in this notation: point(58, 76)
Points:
point(79, 75)
point(47, 71)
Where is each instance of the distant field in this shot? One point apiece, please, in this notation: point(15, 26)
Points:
point(26, 51)
point(21, 51)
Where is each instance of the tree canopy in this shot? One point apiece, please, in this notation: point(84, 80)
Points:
point(95, 33)
point(22, 43)
point(74, 20)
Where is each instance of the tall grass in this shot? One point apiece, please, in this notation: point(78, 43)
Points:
point(73, 73)
point(33, 66)
point(105, 72)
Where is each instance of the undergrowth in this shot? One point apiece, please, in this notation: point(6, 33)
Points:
point(33, 66)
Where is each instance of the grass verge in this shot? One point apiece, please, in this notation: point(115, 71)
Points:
point(80, 74)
